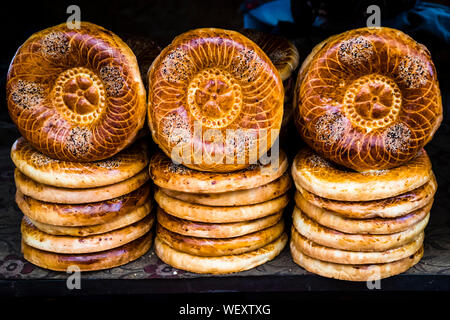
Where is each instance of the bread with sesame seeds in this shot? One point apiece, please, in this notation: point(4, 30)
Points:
point(215, 100)
point(76, 94)
point(368, 99)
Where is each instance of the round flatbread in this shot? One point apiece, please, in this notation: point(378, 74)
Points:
point(215, 230)
point(196, 212)
point(362, 272)
point(337, 222)
point(177, 177)
point(319, 252)
point(354, 242)
point(321, 177)
point(207, 247)
point(89, 261)
point(38, 239)
point(219, 265)
point(384, 208)
point(82, 214)
point(48, 193)
point(260, 194)
point(83, 231)
point(69, 174)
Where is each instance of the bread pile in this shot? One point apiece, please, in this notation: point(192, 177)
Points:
point(78, 100)
point(367, 101)
point(219, 222)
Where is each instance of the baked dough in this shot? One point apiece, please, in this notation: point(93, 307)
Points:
point(89, 261)
point(219, 265)
point(321, 177)
point(283, 53)
point(69, 174)
point(76, 94)
point(215, 230)
point(82, 214)
point(384, 208)
point(83, 231)
point(38, 239)
point(207, 247)
point(169, 175)
point(362, 272)
point(337, 222)
point(368, 99)
point(354, 242)
point(197, 212)
point(319, 252)
point(260, 194)
point(204, 85)
point(48, 193)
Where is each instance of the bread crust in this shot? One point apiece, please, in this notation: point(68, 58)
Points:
point(168, 175)
point(359, 97)
point(48, 193)
point(321, 177)
point(83, 214)
point(354, 242)
point(384, 208)
point(69, 174)
point(38, 239)
point(89, 261)
point(76, 94)
point(196, 212)
point(337, 222)
point(215, 230)
point(219, 265)
point(363, 272)
point(219, 80)
point(322, 253)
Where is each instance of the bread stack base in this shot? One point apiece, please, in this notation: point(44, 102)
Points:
point(219, 223)
point(93, 215)
point(359, 226)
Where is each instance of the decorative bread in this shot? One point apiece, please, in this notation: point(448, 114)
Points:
point(368, 98)
point(323, 178)
point(214, 96)
point(208, 247)
point(76, 94)
point(223, 264)
point(69, 174)
point(177, 177)
point(215, 230)
point(89, 261)
point(89, 214)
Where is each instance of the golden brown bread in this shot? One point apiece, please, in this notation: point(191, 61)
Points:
point(321, 177)
point(215, 230)
point(48, 193)
point(354, 242)
point(82, 214)
point(38, 239)
point(76, 94)
point(337, 222)
point(368, 99)
point(384, 208)
point(69, 174)
point(169, 175)
point(89, 261)
point(201, 213)
point(260, 194)
point(283, 54)
point(223, 264)
point(127, 219)
point(357, 272)
point(223, 82)
point(319, 252)
point(208, 247)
